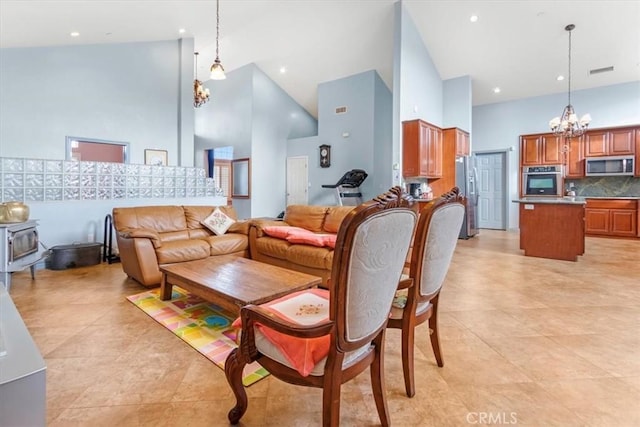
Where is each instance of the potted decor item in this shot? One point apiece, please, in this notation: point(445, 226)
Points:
point(12, 212)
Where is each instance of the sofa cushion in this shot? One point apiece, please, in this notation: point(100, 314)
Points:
point(227, 243)
point(314, 239)
point(182, 250)
point(174, 235)
point(282, 231)
point(309, 256)
point(161, 219)
point(218, 222)
point(273, 247)
point(334, 218)
point(194, 215)
point(307, 217)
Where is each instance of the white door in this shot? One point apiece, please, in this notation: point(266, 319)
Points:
point(491, 190)
point(297, 180)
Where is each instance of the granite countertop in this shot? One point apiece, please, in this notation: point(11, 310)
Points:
point(609, 197)
point(553, 200)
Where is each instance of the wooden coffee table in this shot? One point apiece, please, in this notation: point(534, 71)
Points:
point(232, 282)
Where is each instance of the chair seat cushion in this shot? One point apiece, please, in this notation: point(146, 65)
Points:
point(306, 355)
point(182, 250)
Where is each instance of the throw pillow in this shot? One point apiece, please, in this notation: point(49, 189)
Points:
point(309, 238)
point(281, 231)
point(218, 222)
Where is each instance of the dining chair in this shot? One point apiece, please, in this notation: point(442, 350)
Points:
point(417, 298)
point(323, 339)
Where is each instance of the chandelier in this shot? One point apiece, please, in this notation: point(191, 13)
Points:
point(568, 124)
point(200, 93)
point(217, 71)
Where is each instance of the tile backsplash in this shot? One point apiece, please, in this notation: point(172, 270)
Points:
point(606, 186)
point(38, 180)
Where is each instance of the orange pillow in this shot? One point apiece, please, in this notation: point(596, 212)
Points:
point(314, 239)
point(307, 308)
point(281, 231)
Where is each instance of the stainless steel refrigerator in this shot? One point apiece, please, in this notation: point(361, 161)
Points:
point(467, 182)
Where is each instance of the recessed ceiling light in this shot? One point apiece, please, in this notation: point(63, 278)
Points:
point(283, 70)
point(74, 34)
point(496, 90)
point(182, 30)
point(473, 18)
point(560, 78)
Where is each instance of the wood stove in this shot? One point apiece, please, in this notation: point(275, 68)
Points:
point(18, 249)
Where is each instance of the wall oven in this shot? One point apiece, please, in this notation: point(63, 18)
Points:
point(607, 166)
point(542, 181)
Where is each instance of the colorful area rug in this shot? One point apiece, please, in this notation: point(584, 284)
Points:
point(202, 325)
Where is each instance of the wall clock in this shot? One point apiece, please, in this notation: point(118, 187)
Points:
point(325, 156)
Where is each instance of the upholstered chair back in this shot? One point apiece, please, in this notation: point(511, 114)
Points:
point(442, 236)
point(366, 274)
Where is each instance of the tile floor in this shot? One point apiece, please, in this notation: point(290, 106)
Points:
point(526, 341)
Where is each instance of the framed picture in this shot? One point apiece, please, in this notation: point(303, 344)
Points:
point(156, 157)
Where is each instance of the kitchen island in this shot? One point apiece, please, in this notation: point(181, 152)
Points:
point(552, 227)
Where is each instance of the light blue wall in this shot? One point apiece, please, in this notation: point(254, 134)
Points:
point(128, 92)
point(457, 102)
point(421, 87)
point(383, 177)
point(498, 126)
point(360, 93)
point(417, 86)
point(249, 112)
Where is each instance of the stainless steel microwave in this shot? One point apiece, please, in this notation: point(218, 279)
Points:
point(609, 166)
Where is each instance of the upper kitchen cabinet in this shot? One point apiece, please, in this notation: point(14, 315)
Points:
point(460, 140)
point(543, 149)
point(421, 149)
point(575, 158)
point(610, 142)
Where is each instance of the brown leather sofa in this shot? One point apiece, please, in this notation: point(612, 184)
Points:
point(149, 236)
point(297, 256)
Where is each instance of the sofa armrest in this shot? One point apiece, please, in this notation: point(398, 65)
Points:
point(259, 223)
point(240, 227)
point(145, 233)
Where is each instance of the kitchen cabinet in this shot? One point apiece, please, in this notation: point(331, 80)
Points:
point(612, 217)
point(459, 139)
point(638, 156)
point(610, 142)
point(575, 158)
point(541, 149)
point(552, 229)
point(421, 150)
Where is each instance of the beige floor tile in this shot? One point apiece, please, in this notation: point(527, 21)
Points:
point(599, 401)
point(515, 332)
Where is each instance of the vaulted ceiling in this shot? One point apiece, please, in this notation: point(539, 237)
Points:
point(519, 46)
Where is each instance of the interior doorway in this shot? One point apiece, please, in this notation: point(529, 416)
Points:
point(492, 189)
point(297, 180)
point(217, 163)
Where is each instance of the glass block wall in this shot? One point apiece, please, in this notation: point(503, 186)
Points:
point(37, 180)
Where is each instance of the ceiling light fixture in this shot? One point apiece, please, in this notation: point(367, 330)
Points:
point(217, 70)
point(560, 78)
point(200, 93)
point(496, 90)
point(473, 18)
point(568, 124)
point(74, 34)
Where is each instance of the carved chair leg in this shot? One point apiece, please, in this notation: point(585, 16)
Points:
point(408, 336)
point(377, 380)
point(331, 403)
point(233, 367)
point(433, 327)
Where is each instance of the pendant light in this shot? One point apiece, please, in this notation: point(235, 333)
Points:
point(217, 70)
point(568, 124)
point(200, 93)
